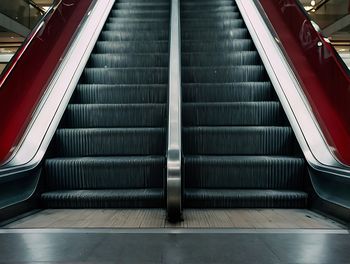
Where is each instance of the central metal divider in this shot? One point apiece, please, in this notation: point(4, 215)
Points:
point(174, 151)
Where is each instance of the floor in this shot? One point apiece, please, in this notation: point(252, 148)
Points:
point(155, 218)
point(62, 246)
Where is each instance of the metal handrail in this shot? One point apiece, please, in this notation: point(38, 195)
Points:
point(174, 152)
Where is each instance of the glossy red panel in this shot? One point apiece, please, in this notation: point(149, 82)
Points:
point(323, 77)
point(26, 78)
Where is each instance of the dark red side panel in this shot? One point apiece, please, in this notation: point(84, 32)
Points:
point(26, 78)
point(323, 77)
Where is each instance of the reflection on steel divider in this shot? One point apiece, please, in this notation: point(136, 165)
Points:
point(174, 190)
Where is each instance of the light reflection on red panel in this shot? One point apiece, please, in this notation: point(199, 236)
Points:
point(324, 79)
point(26, 78)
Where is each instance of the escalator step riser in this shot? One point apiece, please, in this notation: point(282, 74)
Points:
point(140, 14)
point(217, 15)
point(121, 115)
point(215, 34)
point(138, 198)
point(125, 76)
point(209, 8)
point(105, 173)
point(233, 114)
point(131, 47)
point(214, 46)
point(221, 59)
point(133, 26)
point(126, 20)
point(223, 74)
point(143, 1)
point(245, 199)
point(108, 141)
point(119, 94)
point(238, 140)
point(243, 172)
point(127, 35)
point(202, 2)
point(233, 92)
point(128, 60)
point(142, 6)
point(210, 24)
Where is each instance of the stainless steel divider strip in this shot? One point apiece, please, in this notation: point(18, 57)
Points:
point(174, 152)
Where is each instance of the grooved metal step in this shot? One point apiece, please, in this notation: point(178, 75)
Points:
point(233, 114)
point(250, 198)
point(244, 172)
point(125, 172)
point(106, 198)
point(105, 115)
point(120, 94)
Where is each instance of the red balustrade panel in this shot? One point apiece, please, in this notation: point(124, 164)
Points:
point(26, 77)
point(323, 77)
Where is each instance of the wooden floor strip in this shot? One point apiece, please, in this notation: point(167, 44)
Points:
point(193, 218)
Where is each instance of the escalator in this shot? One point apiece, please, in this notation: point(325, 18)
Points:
point(109, 149)
point(239, 149)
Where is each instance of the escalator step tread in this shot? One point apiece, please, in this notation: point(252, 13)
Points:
point(132, 46)
point(217, 14)
point(129, 60)
point(150, 75)
point(126, 35)
point(136, 25)
point(224, 74)
point(107, 94)
point(244, 172)
point(213, 34)
point(246, 198)
point(105, 172)
point(231, 114)
point(214, 46)
point(115, 115)
point(106, 198)
point(212, 23)
point(228, 92)
point(110, 141)
point(221, 58)
point(257, 140)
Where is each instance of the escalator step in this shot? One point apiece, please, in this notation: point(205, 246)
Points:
point(109, 198)
point(126, 20)
point(229, 92)
point(141, 6)
point(126, 35)
point(136, 25)
point(209, 8)
point(143, 1)
point(132, 47)
point(115, 115)
point(248, 198)
point(110, 141)
point(244, 172)
point(221, 58)
point(232, 114)
point(120, 94)
point(204, 35)
point(208, 14)
point(212, 23)
point(105, 172)
point(224, 74)
point(238, 140)
point(214, 46)
point(128, 60)
point(140, 14)
point(151, 75)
